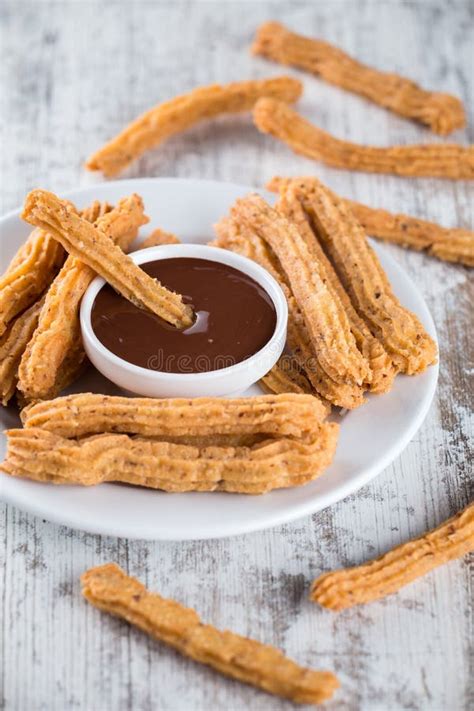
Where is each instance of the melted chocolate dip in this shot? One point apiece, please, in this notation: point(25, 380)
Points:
point(235, 318)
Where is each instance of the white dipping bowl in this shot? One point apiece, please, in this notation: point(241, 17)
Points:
point(215, 383)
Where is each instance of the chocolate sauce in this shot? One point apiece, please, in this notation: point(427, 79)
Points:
point(235, 318)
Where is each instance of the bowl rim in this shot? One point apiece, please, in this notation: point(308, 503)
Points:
point(199, 251)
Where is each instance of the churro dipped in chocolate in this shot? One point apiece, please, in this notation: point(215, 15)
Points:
point(440, 160)
point(182, 112)
point(442, 113)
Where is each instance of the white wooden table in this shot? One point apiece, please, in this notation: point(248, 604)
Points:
point(72, 74)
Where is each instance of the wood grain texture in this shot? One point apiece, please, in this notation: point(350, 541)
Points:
point(72, 74)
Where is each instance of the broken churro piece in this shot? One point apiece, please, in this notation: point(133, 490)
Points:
point(157, 238)
point(344, 241)
point(40, 455)
point(182, 112)
point(12, 346)
point(93, 247)
point(440, 160)
point(87, 413)
point(400, 566)
point(326, 321)
point(109, 589)
point(58, 338)
point(448, 244)
point(443, 113)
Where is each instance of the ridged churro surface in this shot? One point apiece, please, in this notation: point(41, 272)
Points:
point(286, 376)
point(159, 237)
point(443, 113)
point(344, 241)
point(400, 566)
point(93, 247)
point(182, 112)
point(291, 415)
point(109, 589)
point(40, 455)
point(57, 338)
point(437, 160)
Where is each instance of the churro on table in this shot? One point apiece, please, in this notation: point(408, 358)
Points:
point(397, 568)
point(182, 112)
point(442, 113)
point(437, 160)
point(109, 589)
point(93, 247)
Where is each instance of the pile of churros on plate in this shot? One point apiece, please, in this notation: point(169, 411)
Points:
point(347, 336)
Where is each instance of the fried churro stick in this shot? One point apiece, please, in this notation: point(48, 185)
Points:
point(399, 567)
point(443, 113)
point(56, 343)
point(88, 413)
point(286, 376)
point(399, 330)
point(382, 370)
point(447, 244)
point(231, 234)
point(174, 116)
point(38, 454)
point(92, 246)
point(109, 589)
point(326, 320)
point(445, 160)
point(159, 237)
point(12, 346)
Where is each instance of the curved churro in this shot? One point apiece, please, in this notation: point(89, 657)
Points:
point(40, 455)
point(443, 113)
point(344, 241)
point(326, 320)
point(182, 112)
point(91, 246)
point(400, 566)
point(286, 376)
point(440, 160)
point(87, 413)
point(57, 338)
point(233, 235)
point(12, 346)
point(109, 589)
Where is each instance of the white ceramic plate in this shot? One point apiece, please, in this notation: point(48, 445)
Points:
point(370, 439)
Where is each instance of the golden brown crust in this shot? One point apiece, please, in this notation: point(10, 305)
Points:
point(40, 455)
point(174, 116)
point(55, 354)
point(325, 319)
point(92, 246)
point(344, 241)
point(400, 566)
point(443, 113)
point(12, 346)
point(287, 415)
point(109, 589)
point(233, 235)
point(424, 160)
point(286, 376)
point(158, 237)
point(448, 244)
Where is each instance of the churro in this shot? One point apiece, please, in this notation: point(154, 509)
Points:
point(12, 346)
point(440, 160)
point(57, 338)
point(93, 247)
point(447, 244)
point(382, 370)
point(344, 241)
point(399, 567)
point(109, 589)
point(286, 376)
point(157, 238)
point(38, 454)
point(174, 116)
point(326, 321)
point(88, 413)
point(443, 113)
point(233, 235)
